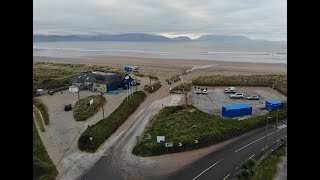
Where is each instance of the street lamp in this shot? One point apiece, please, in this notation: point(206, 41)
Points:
point(275, 138)
point(267, 129)
point(127, 78)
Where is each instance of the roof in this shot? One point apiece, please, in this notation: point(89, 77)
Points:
point(237, 106)
point(274, 102)
point(101, 78)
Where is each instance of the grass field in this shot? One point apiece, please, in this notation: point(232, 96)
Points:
point(56, 75)
point(268, 167)
point(43, 167)
point(43, 109)
point(279, 82)
point(105, 127)
point(184, 124)
point(82, 111)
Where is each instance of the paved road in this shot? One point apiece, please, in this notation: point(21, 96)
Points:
point(223, 164)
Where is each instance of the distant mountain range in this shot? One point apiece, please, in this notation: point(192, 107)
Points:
point(135, 37)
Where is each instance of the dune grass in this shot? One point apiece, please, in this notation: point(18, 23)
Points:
point(43, 109)
point(51, 76)
point(82, 111)
point(185, 86)
point(279, 82)
point(175, 78)
point(186, 123)
point(107, 126)
point(43, 167)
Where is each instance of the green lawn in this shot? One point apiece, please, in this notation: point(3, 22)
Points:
point(106, 127)
point(43, 109)
point(184, 124)
point(38, 119)
point(82, 111)
point(43, 167)
point(268, 167)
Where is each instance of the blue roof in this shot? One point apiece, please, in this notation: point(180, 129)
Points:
point(274, 101)
point(237, 106)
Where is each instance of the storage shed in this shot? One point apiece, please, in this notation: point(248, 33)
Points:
point(273, 105)
point(73, 89)
point(127, 68)
point(236, 110)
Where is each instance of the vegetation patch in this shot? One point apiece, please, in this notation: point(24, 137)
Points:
point(43, 167)
point(152, 88)
point(43, 109)
point(152, 77)
point(56, 75)
point(268, 167)
point(183, 86)
point(38, 119)
point(139, 74)
point(278, 82)
point(91, 139)
point(83, 110)
point(185, 124)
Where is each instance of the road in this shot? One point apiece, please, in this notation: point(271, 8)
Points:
point(224, 163)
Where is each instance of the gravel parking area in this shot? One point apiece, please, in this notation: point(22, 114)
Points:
point(62, 133)
point(216, 98)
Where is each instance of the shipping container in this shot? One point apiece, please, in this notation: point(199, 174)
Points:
point(273, 105)
point(236, 110)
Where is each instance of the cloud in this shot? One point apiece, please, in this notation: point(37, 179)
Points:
point(265, 19)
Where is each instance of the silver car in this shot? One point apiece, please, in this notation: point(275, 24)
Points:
point(253, 97)
point(237, 96)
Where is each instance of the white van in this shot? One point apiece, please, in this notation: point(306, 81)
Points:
point(230, 90)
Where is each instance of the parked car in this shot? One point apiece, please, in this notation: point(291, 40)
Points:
point(68, 107)
point(230, 90)
point(237, 96)
point(204, 91)
point(253, 97)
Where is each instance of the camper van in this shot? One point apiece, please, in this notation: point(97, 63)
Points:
point(230, 90)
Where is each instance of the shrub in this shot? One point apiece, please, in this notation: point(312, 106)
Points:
point(82, 111)
point(185, 86)
point(152, 88)
point(43, 109)
point(105, 127)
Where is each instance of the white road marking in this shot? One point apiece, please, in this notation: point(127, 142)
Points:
point(226, 177)
point(251, 156)
point(253, 142)
point(207, 169)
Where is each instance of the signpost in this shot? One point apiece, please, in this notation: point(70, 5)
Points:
point(179, 144)
point(160, 139)
point(196, 141)
point(168, 144)
point(91, 102)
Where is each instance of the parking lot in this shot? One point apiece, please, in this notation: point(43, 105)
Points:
point(216, 98)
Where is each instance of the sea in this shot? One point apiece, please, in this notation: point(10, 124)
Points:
point(251, 51)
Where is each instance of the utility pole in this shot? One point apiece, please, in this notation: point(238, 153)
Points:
point(150, 79)
point(136, 84)
point(102, 106)
point(267, 130)
point(78, 93)
point(275, 138)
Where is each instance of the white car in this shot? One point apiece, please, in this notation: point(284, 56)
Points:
point(230, 90)
point(204, 91)
point(253, 97)
point(237, 96)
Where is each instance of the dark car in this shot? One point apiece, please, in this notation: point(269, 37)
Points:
point(68, 107)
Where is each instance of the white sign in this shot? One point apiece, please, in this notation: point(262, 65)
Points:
point(169, 144)
point(160, 139)
point(91, 102)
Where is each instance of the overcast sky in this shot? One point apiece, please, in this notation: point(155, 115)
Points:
point(256, 19)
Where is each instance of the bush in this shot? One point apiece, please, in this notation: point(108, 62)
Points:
point(43, 109)
point(152, 88)
point(176, 78)
point(105, 127)
point(186, 123)
point(139, 74)
point(244, 174)
point(153, 77)
point(82, 111)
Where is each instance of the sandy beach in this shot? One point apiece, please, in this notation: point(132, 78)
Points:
point(167, 67)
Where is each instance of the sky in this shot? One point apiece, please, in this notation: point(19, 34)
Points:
point(256, 19)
